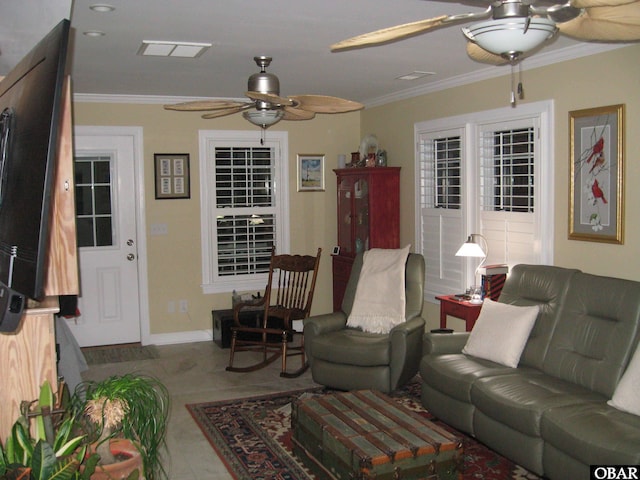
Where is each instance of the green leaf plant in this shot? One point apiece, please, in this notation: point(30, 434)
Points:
point(133, 406)
point(54, 452)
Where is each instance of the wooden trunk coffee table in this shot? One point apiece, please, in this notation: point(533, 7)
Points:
point(365, 434)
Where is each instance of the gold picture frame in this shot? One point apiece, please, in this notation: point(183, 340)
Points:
point(311, 172)
point(596, 193)
point(172, 177)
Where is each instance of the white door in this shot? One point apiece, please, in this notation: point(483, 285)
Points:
point(105, 182)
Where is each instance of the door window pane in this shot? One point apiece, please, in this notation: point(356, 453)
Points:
point(94, 208)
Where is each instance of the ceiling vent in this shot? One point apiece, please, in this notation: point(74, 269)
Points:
point(172, 49)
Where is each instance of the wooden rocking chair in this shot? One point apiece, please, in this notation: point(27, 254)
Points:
point(287, 297)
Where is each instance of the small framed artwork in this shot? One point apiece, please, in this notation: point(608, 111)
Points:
point(311, 172)
point(172, 175)
point(596, 142)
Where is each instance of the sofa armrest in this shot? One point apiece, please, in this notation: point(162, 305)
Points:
point(444, 343)
point(408, 327)
point(318, 325)
point(325, 323)
point(406, 350)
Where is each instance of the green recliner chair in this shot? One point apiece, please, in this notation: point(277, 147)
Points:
point(349, 359)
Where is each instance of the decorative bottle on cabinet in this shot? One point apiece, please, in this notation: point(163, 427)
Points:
point(368, 217)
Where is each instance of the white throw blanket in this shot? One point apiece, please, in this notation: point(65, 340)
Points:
point(379, 303)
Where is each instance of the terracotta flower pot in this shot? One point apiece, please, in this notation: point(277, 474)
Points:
point(120, 470)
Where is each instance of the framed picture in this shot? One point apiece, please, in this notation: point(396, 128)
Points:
point(311, 172)
point(596, 142)
point(172, 175)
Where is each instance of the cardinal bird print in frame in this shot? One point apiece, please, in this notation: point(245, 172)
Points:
point(596, 142)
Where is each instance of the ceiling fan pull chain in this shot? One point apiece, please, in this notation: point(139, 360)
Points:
point(262, 135)
point(513, 81)
point(520, 88)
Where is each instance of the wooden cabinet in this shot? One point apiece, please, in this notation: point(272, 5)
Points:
point(368, 217)
point(28, 356)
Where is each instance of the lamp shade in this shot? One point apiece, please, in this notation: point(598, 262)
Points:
point(470, 249)
point(264, 118)
point(510, 37)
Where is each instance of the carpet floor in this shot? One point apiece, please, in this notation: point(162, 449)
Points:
point(253, 438)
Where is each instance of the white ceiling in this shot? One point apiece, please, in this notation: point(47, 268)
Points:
point(296, 33)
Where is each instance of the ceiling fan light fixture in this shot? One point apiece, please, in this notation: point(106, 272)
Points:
point(510, 37)
point(263, 118)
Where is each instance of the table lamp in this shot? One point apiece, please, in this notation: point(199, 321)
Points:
point(471, 248)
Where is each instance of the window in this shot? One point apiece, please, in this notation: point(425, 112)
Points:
point(439, 222)
point(447, 172)
point(489, 173)
point(93, 200)
point(244, 202)
point(507, 170)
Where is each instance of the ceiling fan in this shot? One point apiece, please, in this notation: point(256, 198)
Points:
point(517, 27)
point(266, 107)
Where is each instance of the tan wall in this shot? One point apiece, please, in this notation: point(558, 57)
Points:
point(174, 260)
point(604, 79)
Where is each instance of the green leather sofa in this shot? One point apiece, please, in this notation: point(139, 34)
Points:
point(349, 359)
point(550, 414)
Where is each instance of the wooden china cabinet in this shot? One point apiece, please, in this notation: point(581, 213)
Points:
point(368, 217)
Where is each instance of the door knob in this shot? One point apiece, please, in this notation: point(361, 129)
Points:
point(131, 257)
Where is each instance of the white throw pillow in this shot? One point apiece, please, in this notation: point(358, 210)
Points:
point(501, 332)
point(627, 394)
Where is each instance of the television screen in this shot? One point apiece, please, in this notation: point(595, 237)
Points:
point(30, 114)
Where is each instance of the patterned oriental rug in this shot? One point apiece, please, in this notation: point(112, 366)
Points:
point(253, 438)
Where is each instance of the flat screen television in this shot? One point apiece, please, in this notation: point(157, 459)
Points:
point(30, 115)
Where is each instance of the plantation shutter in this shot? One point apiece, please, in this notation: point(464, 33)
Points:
point(440, 219)
point(508, 156)
point(244, 209)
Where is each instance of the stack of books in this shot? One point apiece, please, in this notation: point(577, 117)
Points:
point(493, 278)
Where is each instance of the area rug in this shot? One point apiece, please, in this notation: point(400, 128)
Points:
point(252, 436)
point(119, 353)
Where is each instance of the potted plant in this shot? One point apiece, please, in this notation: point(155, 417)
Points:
point(131, 407)
point(54, 450)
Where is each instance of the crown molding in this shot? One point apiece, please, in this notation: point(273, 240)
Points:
point(143, 99)
point(536, 61)
point(539, 60)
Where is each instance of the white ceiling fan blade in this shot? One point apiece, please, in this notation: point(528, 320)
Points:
point(400, 32)
point(269, 98)
point(228, 111)
point(609, 24)
point(325, 104)
point(291, 113)
point(204, 105)
point(479, 54)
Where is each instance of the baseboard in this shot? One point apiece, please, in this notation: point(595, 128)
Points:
point(181, 337)
point(193, 336)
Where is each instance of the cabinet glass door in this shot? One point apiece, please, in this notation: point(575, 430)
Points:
point(345, 234)
point(361, 214)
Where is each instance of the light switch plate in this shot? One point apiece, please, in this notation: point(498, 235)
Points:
point(159, 229)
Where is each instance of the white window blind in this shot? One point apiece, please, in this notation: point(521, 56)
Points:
point(508, 154)
point(489, 173)
point(441, 208)
point(244, 203)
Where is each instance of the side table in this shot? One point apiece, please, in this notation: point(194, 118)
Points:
point(467, 311)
